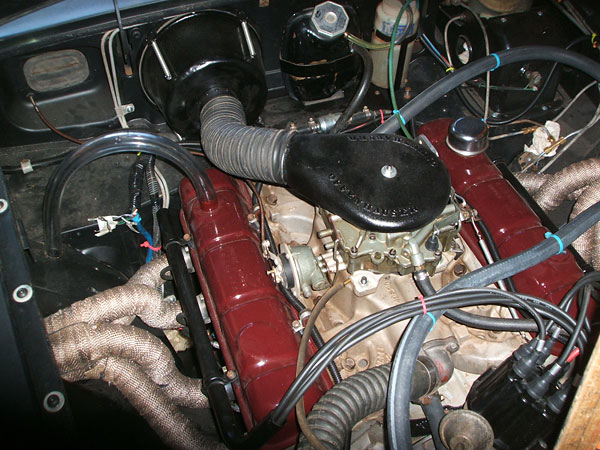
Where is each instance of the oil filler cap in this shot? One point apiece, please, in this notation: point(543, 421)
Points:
point(468, 136)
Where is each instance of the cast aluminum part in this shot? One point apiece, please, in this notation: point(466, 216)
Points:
point(403, 252)
point(512, 223)
point(305, 273)
point(472, 351)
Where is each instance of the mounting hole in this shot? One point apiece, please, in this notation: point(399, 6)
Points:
point(463, 49)
point(363, 363)
point(54, 401)
point(22, 293)
point(3, 205)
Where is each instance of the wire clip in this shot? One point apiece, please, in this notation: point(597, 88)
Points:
point(26, 166)
point(450, 69)
point(423, 304)
point(397, 114)
point(433, 319)
point(425, 312)
point(146, 244)
point(497, 61)
point(561, 250)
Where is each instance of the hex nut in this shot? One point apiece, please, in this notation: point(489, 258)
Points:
point(329, 20)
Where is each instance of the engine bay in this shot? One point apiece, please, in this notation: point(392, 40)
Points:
point(221, 228)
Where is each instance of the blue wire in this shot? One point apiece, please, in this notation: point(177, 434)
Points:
point(432, 47)
point(138, 222)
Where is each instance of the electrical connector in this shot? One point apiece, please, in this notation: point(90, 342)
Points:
point(538, 386)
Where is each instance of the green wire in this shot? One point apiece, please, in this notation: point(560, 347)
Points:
point(391, 65)
point(368, 45)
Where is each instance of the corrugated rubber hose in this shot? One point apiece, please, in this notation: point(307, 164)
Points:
point(340, 408)
point(239, 149)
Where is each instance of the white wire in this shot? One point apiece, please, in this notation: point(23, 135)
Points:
point(111, 73)
point(579, 94)
point(450, 22)
point(503, 136)
point(486, 106)
point(577, 134)
point(106, 67)
point(163, 186)
point(118, 104)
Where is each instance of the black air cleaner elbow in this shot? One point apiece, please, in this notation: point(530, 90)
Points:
point(380, 183)
point(375, 182)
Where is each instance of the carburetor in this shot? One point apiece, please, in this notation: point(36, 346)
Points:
point(400, 252)
point(304, 269)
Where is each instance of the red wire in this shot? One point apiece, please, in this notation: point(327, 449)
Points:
point(574, 354)
point(147, 245)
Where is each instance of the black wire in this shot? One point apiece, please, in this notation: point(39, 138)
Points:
point(527, 107)
point(316, 336)
point(361, 90)
point(44, 162)
point(487, 235)
point(581, 317)
point(392, 315)
point(525, 110)
point(372, 324)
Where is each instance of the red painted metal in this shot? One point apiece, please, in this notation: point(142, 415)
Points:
point(251, 317)
point(514, 226)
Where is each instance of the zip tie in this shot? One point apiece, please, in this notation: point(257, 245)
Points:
point(382, 119)
point(561, 250)
point(397, 114)
point(147, 245)
point(423, 304)
point(497, 61)
point(425, 312)
point(450, 69)
point(433, 319)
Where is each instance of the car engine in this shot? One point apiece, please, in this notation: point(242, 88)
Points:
point(249, 224)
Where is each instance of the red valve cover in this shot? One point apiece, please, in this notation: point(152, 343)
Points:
point(514, 226)
point(252, 319)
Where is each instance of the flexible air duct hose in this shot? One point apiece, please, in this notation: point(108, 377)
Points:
point(340, 408)
point(238, 149)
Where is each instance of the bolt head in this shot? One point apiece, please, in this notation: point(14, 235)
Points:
point(389, 171)
point(349, 363)
point(459, 270)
